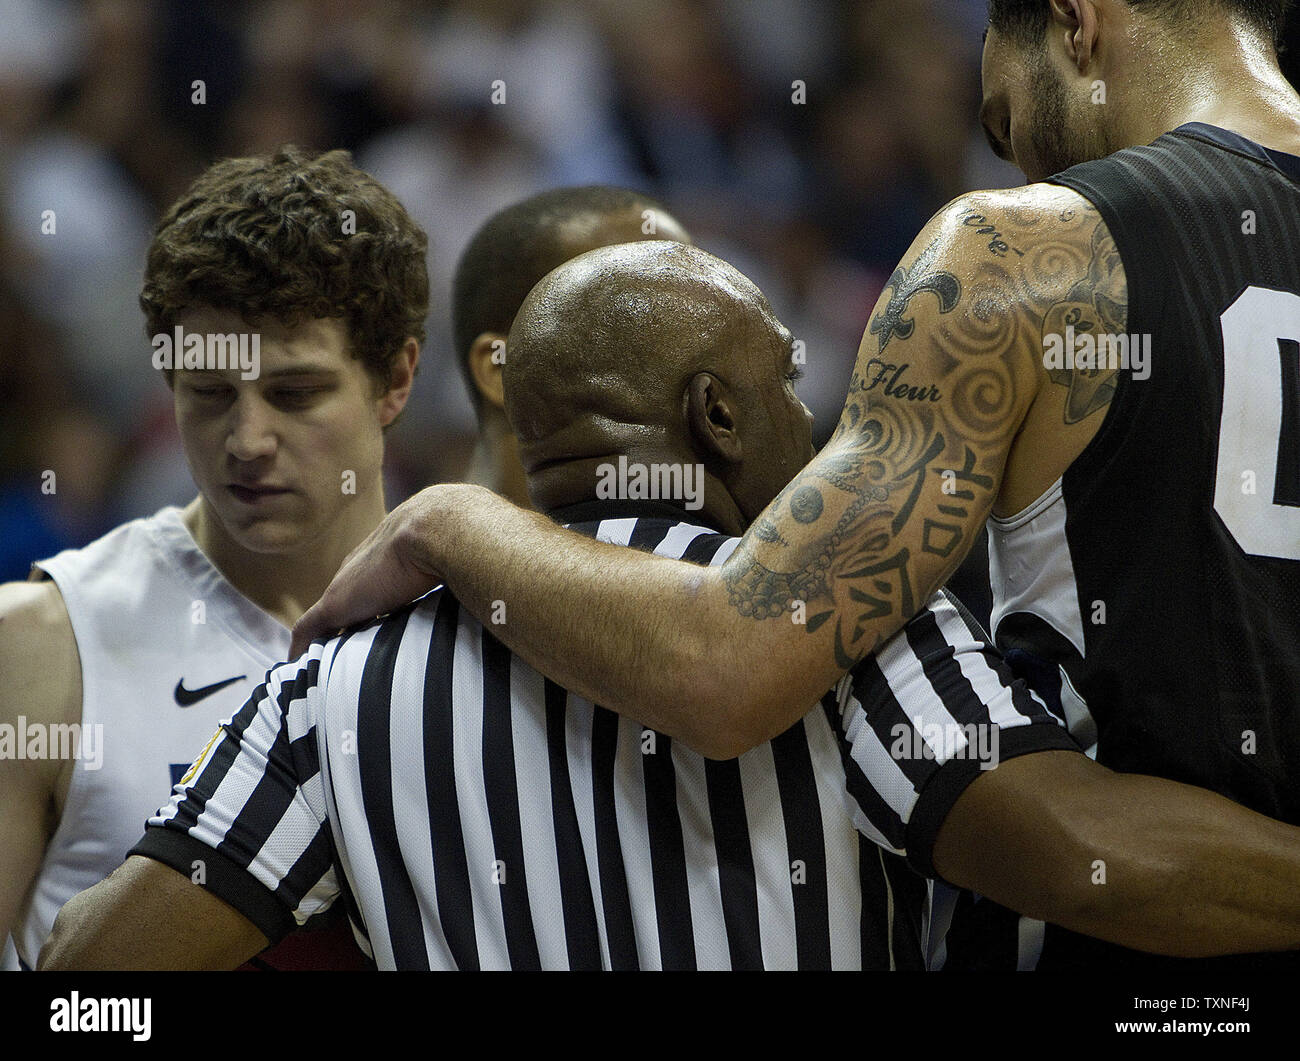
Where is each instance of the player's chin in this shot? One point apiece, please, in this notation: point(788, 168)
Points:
point(273, 532)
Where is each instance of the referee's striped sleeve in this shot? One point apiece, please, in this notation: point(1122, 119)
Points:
point(248, 821)
point(922, 718)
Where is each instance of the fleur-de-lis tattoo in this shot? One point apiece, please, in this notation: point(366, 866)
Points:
point(906, 283)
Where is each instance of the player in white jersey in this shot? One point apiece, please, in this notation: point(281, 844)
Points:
point(165, 644)
point(286, 297)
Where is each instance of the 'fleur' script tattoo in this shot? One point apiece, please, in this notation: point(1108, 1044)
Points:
point(889, 377)
point(882, 516)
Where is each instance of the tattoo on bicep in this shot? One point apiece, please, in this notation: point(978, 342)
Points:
point(906, 284)
point(914, 464)
point(1082, 330)
point(997, 244)
point(806, 504)
point(873, 472)
point(893, 382)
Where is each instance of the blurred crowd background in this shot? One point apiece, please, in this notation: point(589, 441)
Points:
point(688, 99)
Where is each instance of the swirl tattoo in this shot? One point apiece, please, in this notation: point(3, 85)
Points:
point(884, 514)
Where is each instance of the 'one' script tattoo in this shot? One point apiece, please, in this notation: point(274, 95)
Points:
point(861, 538)
point(982, 225)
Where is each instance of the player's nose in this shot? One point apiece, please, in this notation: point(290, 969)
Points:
point(251, 433)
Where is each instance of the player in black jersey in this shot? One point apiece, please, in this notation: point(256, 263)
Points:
point(1105, 361)
point(1163, 606)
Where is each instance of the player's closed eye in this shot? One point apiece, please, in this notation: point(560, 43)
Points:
point(297, 397)
point(209, 391)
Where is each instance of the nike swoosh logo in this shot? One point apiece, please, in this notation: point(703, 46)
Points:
point(190, 697)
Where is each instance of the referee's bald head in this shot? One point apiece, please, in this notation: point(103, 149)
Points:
point(661, 352)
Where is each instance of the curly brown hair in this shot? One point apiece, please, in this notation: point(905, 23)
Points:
point(267, 237)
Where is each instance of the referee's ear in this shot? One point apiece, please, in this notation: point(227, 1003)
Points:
point(709, 419)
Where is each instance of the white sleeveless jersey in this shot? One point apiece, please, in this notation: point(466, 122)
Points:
point(168, 649)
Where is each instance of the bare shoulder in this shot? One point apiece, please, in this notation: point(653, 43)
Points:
point(1038, 269)
point(989, 276)
point(1014, 222)
point(1002, 259)
point(32, 610)
point(38, 654)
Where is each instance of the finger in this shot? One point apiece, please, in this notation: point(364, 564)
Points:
point(350, 598)
point(314, 623)
point(374, 579)
point(336, 609)
point(303, 633)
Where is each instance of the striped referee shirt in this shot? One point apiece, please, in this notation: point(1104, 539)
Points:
point(475, 815)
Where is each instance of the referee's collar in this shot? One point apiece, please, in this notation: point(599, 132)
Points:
point(594, 511)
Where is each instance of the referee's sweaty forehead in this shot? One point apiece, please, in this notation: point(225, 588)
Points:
point(617, 332)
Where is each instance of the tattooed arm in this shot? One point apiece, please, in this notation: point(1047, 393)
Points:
point(951, 363)
point(950, 367)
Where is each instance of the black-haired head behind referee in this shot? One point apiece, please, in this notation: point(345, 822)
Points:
point(506, 256)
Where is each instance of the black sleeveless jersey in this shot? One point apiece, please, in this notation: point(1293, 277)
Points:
point(1154, 592)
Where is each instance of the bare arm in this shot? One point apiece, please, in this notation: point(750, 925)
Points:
point(149, 916)
point(1140, 861)
point(42, 686)
point(948, 368)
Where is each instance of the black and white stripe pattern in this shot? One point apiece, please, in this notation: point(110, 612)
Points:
point(938, 675)
point(484, 818)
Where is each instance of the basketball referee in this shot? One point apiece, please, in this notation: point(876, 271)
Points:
point(474, 815)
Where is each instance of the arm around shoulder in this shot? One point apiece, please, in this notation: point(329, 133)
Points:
point(724, 659)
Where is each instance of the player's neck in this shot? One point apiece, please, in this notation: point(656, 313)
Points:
point(495, 462)
point(1239, 88)
point(284, 584)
